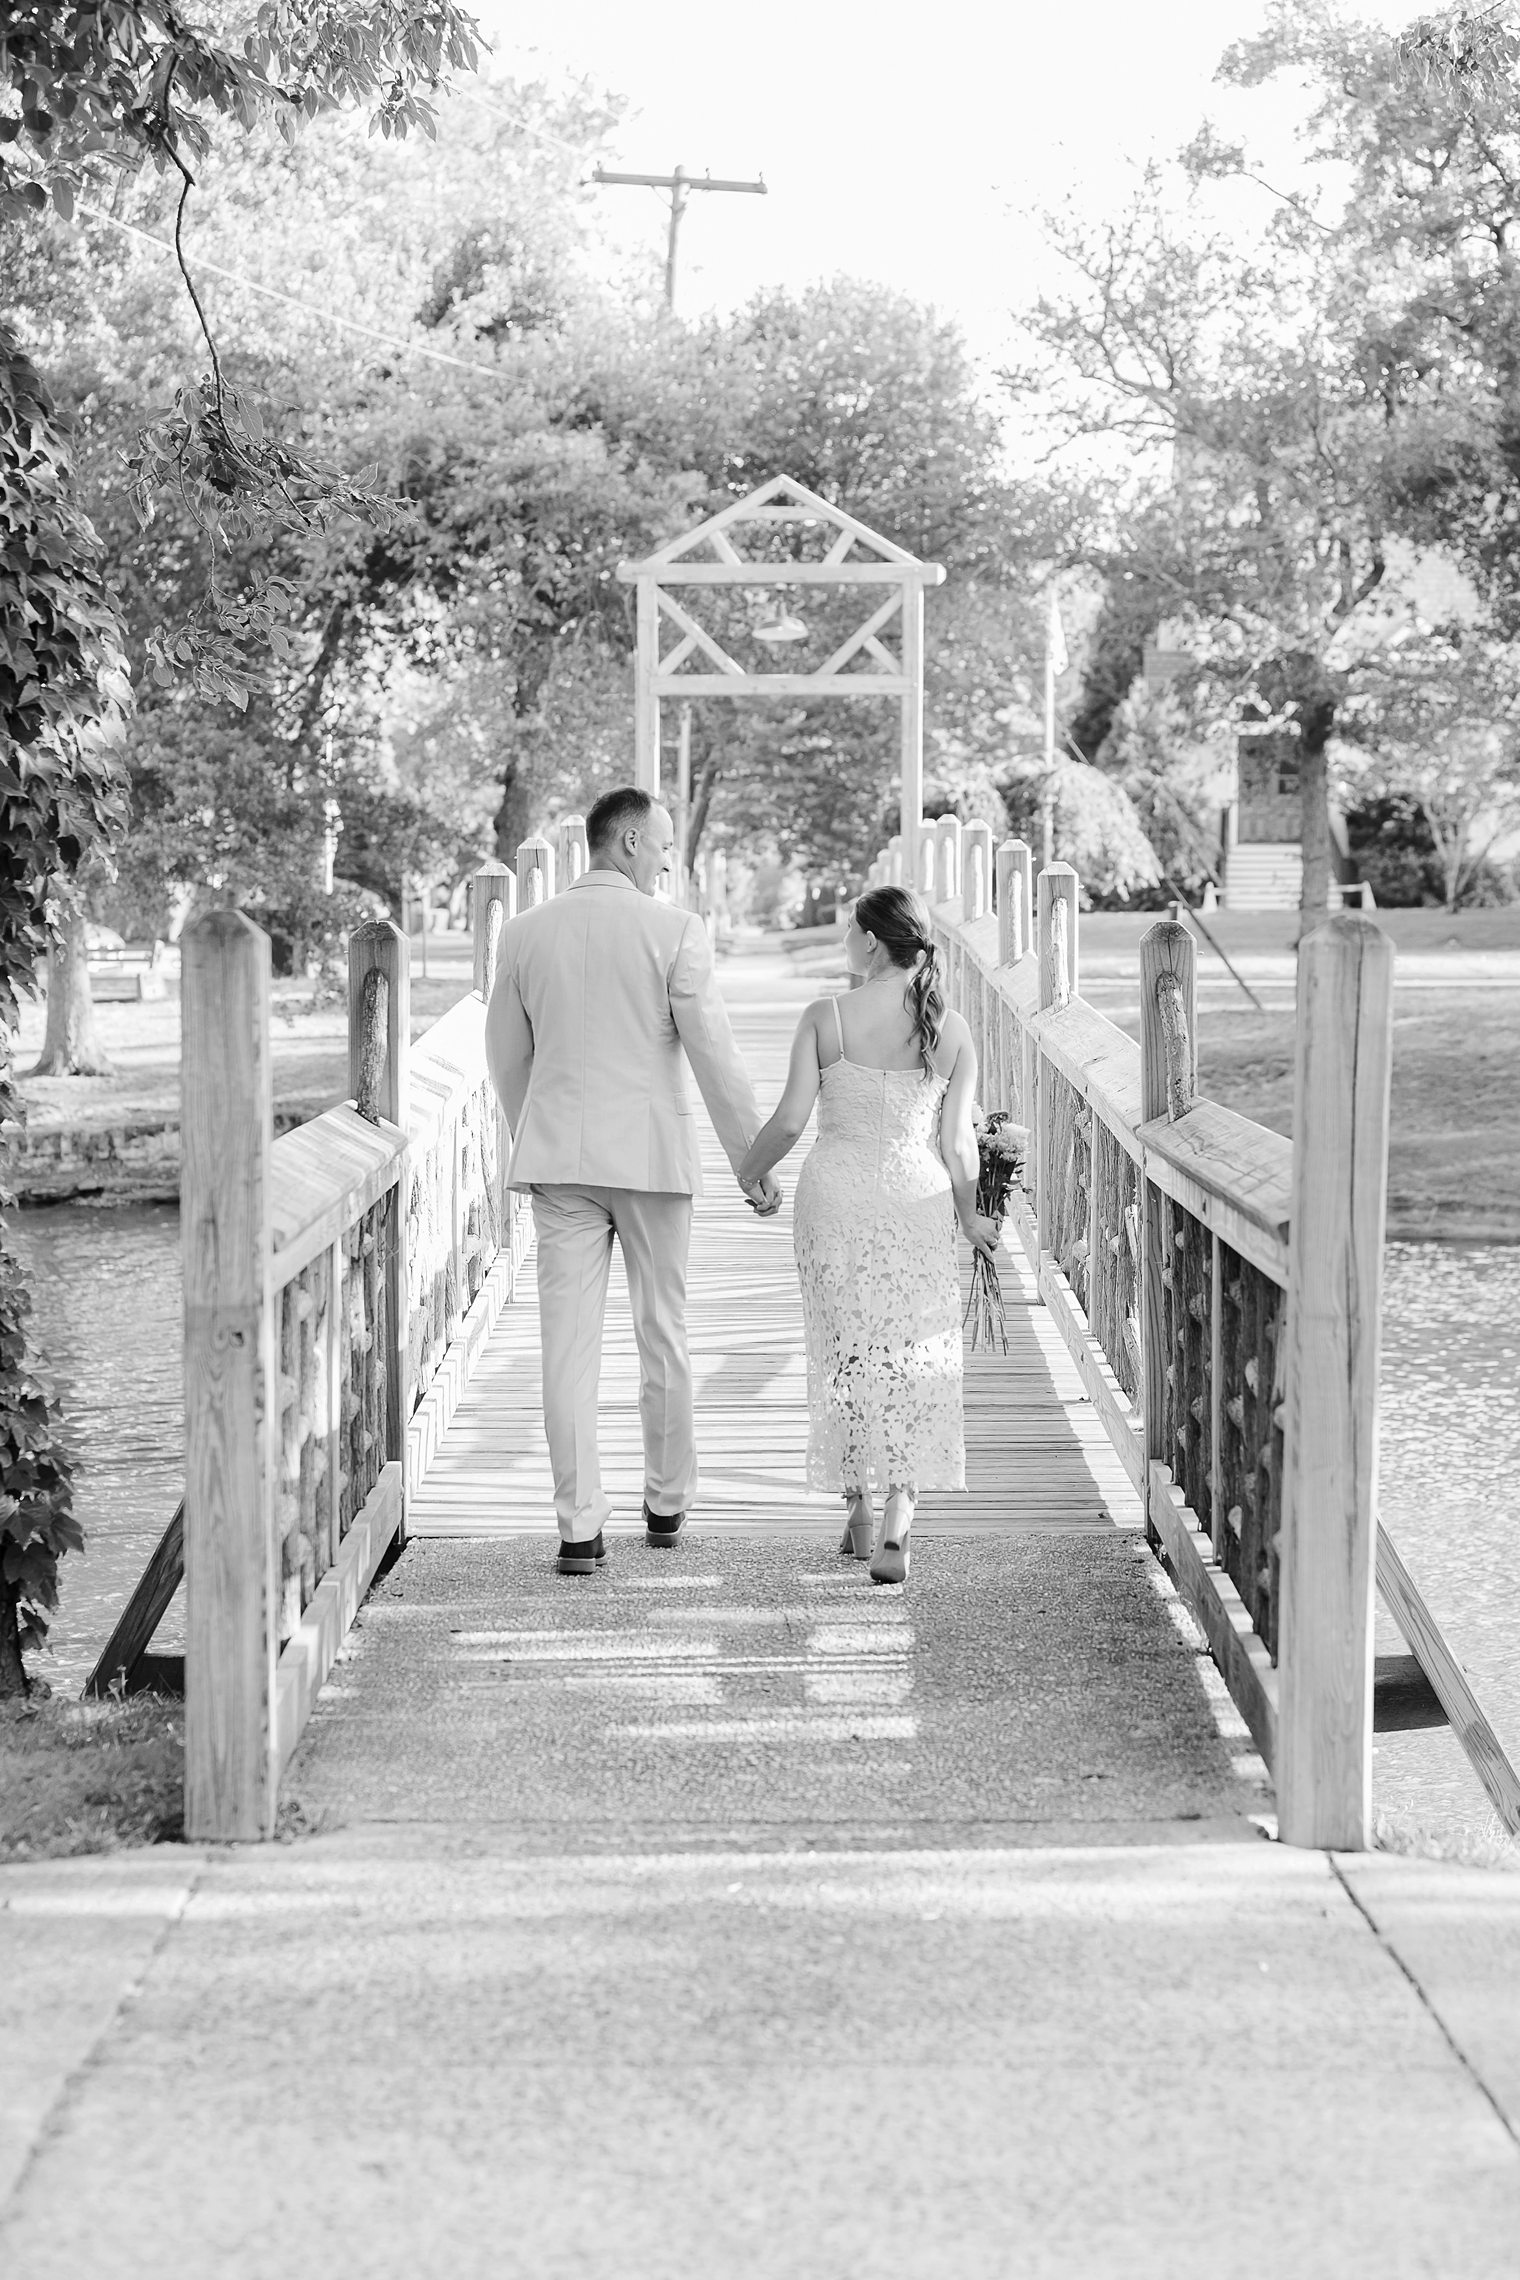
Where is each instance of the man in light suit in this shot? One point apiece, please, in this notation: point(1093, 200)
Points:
point(597, 993)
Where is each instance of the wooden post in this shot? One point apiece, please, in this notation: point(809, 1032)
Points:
point(976, 869)
point(912, 802)
point(1168, 1006)
point(493, 901)
point(1015, 911)
point(535, 872)
point(646, 709)
point(1058, 888)
point(923, 861)
point(1058, 960)
point(895, 860)
point(493, 897)
point(382, 950)
point(332, 1422)
point(231, 1397)
point(575, 856)
point(1169, 969)
point(1323, 1772)
point(947, 858)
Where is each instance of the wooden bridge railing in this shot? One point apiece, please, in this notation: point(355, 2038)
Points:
point(340, 1282)
point(1219, 1288)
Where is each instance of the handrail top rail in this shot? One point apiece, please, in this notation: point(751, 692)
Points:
point(322, 1177)
point(326, 1173)
point(1233, 1174)
point(447, 1063)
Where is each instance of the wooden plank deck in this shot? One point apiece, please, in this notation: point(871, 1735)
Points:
point(1037, 1456)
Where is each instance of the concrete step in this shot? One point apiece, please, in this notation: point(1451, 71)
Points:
point(1268, 878)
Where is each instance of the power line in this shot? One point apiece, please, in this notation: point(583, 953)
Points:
point(508, 118)
point(273, 293)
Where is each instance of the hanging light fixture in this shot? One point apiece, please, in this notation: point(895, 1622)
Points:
point(784, 626)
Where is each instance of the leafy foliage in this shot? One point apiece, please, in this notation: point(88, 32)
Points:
point(1443, 724)
point(92, 91)
point(103, 89)
point(63, 690)
point(37, 1521)
point(63, 685)
point(1095, 824)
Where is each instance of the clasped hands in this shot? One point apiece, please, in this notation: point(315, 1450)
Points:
point(762, 1195)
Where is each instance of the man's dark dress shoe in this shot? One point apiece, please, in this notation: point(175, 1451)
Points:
point(662, 1527)
point(581, 1558)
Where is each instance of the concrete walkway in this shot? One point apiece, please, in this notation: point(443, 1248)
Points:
point(720, 1916)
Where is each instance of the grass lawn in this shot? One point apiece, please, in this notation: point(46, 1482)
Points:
point(1454, 1161)
point(84, 1777)
point(308, 1036)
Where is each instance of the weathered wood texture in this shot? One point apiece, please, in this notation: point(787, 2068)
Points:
point(1057, 898)
point(1333, 1329)
point(493, 900)
point(380, 953)
point(1015, 870)
point(535, 872)
point(231, 1392)
point(976, 869)
point(325, 1276)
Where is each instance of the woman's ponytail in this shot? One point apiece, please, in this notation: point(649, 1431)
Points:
point(900, 924)
point(928, 1002)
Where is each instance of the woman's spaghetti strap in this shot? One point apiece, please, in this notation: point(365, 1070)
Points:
point(838, 1026)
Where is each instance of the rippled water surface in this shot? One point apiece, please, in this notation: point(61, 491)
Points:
point(108, 1311)
point(106, 1292)
point(1450, 1495)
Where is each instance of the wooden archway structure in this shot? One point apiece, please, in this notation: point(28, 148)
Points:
point(864, 665)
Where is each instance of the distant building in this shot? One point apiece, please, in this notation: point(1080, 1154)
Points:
point(1263, 828)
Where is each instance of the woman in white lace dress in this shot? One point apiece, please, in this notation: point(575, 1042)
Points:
point(893, 1169)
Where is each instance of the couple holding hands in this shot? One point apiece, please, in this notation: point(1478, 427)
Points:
point(603, 997)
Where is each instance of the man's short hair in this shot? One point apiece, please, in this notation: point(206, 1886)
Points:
point(615, 812)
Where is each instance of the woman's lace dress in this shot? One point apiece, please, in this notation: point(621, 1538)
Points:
point(874, 1227)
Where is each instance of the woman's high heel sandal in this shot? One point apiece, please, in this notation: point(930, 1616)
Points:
point(890, 1564)
point(855, 1543)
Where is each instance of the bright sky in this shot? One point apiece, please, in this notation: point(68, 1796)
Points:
point(911, 144)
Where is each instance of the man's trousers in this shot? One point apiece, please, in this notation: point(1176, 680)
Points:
point(576, 1227)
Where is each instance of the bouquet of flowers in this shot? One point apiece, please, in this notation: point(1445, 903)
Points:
point(1001, 1147)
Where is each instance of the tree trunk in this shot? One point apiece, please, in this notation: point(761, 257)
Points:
point(512, 816)
point(70, 1047)
point(1314, 789)
point(707, 784)
point(12, 1669)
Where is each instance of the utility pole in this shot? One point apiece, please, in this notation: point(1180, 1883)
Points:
point(680, 185)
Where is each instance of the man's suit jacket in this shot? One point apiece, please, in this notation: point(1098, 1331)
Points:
point(597, 991)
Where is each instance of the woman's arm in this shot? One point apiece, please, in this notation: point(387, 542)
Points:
point(957, 1141)
point(780, 1135)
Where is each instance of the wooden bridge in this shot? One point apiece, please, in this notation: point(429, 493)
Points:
point(1193, 1337)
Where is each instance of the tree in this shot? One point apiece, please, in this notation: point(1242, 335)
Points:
point(1263, 528)
point(1174, 765)
point(103, 90)
point(1349, 380)
point(1095, 824)
point(95, 91)
point(1443, 724)
point(62, 693)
